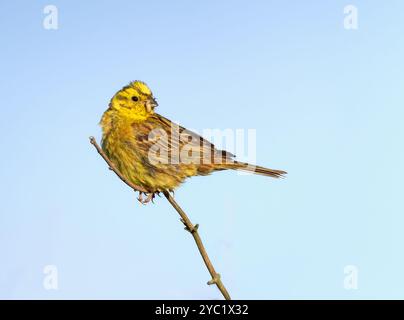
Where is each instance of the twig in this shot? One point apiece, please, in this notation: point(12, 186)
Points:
point(193, 229)
point(113, 168)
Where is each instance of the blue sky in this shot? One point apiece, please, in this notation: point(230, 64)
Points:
point(326, 104)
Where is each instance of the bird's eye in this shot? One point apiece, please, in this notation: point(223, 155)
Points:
point(134, 98)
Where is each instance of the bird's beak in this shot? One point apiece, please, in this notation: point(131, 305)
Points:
point(151, 104)
point(154, 102)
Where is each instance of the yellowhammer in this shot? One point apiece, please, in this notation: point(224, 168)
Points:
point(151, 151)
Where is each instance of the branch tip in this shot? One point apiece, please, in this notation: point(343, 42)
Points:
point(112, 167)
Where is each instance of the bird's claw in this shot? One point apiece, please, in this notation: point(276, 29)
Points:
point(150, 197)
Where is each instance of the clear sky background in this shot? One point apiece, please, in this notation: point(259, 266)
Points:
point(327, 106)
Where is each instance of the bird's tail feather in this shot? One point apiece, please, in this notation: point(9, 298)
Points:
point(255, 169)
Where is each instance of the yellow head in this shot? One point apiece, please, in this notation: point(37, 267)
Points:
point(134, 101)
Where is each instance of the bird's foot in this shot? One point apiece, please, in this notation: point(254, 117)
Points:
point(150, 197)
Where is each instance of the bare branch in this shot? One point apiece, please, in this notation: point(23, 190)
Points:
point(113, 168)
point(193, 229)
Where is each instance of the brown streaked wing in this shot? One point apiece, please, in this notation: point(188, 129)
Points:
point(162, 126)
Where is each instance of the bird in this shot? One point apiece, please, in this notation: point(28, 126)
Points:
point(155, 153)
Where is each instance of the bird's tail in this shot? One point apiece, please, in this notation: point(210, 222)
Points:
point(243, 166)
